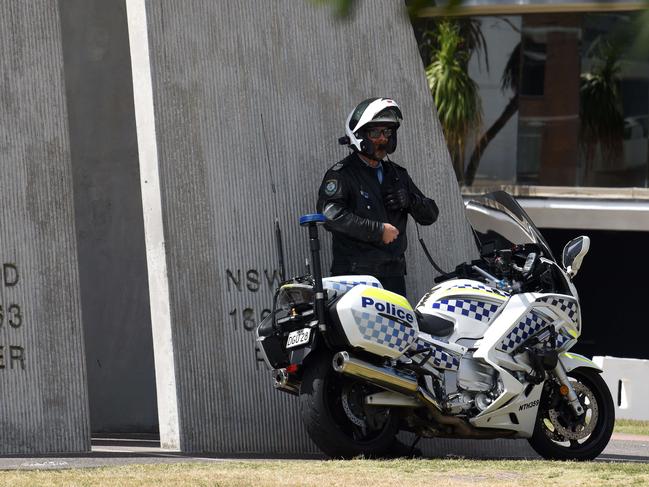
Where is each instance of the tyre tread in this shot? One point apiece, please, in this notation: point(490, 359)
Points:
point(322, 429)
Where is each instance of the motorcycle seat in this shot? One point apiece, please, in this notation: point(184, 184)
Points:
point(434, 325)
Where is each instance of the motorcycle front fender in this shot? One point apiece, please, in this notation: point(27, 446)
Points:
point(571, 361)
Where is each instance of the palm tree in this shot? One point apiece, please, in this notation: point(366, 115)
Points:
point(454, 92)
point(600, 107)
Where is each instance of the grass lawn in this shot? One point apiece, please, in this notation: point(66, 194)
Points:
point(632, 427)
point(365, 473)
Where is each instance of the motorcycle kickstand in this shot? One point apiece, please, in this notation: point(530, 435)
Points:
point(415, 451)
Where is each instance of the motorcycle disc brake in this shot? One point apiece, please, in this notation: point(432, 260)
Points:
point(583, 426)
point(349, 390)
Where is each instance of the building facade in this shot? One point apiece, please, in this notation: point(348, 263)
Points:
point(564, 91)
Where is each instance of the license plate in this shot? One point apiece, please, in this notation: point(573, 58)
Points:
point(298, 337)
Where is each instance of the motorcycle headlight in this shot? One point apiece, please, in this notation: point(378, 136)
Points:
point(294, 296)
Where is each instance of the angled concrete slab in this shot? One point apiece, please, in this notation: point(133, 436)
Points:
point(211, 85)
point(44, 405)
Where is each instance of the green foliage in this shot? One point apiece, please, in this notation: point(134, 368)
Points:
point(455, 93)
point(472, 40)
point(602, 121)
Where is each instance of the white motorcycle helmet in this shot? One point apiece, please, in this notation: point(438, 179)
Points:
point(368, 113)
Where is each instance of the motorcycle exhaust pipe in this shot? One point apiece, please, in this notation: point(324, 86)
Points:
point(389, 379)
point(380, 376)
point(281, 381)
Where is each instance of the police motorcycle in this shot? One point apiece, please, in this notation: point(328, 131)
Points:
point(483, 354)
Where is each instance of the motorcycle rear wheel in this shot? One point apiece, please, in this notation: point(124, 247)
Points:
point(559, 436)
point(331, 407)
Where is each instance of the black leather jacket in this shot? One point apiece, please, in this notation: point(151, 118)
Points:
point(351, 198)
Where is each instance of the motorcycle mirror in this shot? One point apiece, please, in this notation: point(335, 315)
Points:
point(573, 254)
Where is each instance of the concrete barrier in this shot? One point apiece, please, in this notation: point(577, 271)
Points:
point(627, 380)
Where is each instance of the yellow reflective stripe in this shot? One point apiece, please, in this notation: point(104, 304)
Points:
point(375, 292)
point(579, 357)
point(470, 292)
point(573, 333)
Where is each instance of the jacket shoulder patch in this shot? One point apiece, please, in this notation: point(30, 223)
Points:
point(330, 187)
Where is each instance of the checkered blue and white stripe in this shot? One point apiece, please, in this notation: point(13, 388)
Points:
point(344, 286)
point(481, 288)
point(419, 345)
point(383, 331)
point(567, 306)
point(477, 310)
point(527, 327)
point(562, 340)
point(440, 358)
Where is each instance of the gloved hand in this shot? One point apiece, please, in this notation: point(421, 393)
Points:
point(397, 200)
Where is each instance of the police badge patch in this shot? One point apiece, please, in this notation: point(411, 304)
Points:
point(331, 186)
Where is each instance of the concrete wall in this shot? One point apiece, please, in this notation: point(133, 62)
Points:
point(201, 91)
point(44, 405)
point(108, 208)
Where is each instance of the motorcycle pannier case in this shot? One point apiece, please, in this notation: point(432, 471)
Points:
point(378, 321)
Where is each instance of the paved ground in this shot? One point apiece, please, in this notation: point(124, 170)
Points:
point(107, 452)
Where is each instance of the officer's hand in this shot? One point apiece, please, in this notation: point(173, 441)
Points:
point(397, 200)
point(390, 233)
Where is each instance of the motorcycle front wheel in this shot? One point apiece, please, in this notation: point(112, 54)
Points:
point(336, 417)
point(559, 435)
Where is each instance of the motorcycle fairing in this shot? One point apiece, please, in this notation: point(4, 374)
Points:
point(546, 310)
point(474, 309)
point(436, 353)
point(495, 349)
point(519, 414)
point(571, 361)
point(461, 286)
point(469, 304)
point(528, 326)
point(567, 307)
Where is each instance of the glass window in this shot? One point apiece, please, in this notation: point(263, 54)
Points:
point(564, 99)
point(533, 65)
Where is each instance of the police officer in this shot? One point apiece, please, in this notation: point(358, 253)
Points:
point(366, 198)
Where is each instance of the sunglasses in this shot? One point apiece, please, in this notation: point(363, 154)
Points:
point(375, 133)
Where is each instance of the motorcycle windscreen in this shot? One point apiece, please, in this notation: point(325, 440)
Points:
point(499, 222)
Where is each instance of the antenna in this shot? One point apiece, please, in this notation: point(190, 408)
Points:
point(278, 231)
